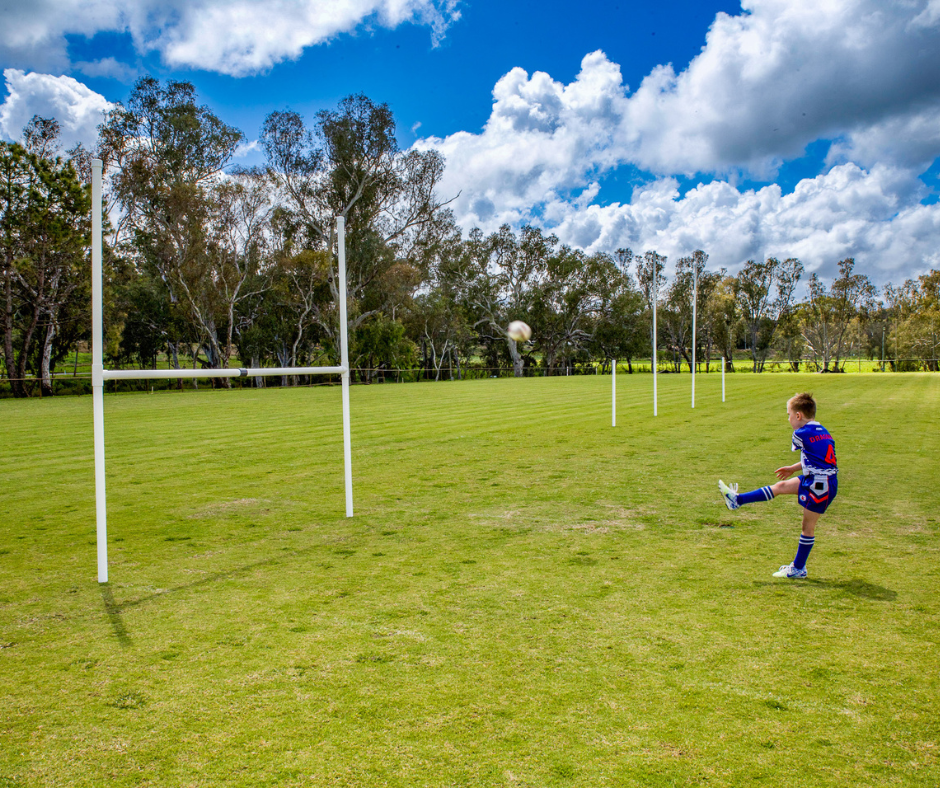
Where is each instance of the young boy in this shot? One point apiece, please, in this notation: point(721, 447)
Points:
point(815, 489)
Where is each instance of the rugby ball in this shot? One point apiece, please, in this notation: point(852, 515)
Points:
point(519, 331)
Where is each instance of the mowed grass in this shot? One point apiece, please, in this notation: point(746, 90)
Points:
point(525, 597)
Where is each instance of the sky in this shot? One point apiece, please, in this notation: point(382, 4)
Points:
point(785, 128)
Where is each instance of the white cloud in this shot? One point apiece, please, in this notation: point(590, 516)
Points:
point(768, 82)
point(78, 109)
point(542, 140)
point(245, 149)
point(234, 37)
point(911, 140)
point(873, 215)
point(781, 75)
point(107, 67)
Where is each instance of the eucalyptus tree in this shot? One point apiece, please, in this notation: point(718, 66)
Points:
point(652, 281)
point(789, 338)
point(691, 281)
point(379, 346)
point(441, 329)
point(724, 318)
point(239, 261)
point(619, 325)
point(44, 233)
point(828, 312)
point(349, 164)
point(914, 330)
point(927, 320)
point(900, 300)
point(764, 293)
point(568, 302)
point(164, 154)
point(497, 279)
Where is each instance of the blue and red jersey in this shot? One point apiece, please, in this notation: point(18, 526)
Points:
point(817, 449)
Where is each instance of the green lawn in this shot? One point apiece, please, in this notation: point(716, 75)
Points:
point(525, 597)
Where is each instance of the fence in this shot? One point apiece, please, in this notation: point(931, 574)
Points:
point(78, 379)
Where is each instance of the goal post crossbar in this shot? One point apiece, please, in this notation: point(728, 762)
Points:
point(99, 374)
point(232, 372)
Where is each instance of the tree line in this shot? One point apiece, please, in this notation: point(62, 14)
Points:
point(205, 262)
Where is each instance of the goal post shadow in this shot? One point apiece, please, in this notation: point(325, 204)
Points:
point(99, 374)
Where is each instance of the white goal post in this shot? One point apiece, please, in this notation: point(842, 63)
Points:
point(99, 374)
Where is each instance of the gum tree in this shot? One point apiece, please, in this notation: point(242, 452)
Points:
point(165, 155)
point(828, 312)
point(764, 293)
point(44, 232)
point(349, 164)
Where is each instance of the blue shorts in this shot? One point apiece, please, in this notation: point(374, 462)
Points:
point(817, 492)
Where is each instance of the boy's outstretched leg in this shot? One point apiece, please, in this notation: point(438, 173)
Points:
point(734, 499)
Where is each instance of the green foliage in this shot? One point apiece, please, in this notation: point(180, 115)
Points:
point(381, 344)
point(44, 233)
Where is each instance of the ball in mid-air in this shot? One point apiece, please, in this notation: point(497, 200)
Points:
point(519, 331)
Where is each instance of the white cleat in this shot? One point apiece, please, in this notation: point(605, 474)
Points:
point(788, 570)
point(730, 494)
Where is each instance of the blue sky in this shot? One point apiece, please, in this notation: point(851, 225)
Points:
point(447, 87)
point(786, 127)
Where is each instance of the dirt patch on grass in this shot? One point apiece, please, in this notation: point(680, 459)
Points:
point(238, 506)
point(600, 519)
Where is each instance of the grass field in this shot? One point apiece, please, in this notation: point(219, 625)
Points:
point(525, 597)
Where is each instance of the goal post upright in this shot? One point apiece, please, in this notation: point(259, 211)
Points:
point(694, 316)
point(655, 339)
point(344, 359)
point(613, 392)
point(97, 371)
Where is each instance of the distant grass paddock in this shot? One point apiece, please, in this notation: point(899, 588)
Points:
point(525, 597)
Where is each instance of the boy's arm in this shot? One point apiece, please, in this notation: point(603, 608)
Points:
point(787, 471)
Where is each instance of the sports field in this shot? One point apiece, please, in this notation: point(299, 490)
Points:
point(525, 597)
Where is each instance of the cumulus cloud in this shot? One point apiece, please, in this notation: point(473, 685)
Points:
point(766, 84)
point(874, 215)
point(78, 109)
point(782, 74)
point(542, 140)
point(235, 37)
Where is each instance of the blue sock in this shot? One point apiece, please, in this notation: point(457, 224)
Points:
point(761, 494)
point(802, 552)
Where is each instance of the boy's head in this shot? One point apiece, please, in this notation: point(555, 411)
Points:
point(801, 408)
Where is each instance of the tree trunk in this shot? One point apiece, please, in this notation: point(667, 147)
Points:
point(517, 363)
point(257, 381)
point(175, 356)
point(9, 357)
point(283, 358)
point(45, 385)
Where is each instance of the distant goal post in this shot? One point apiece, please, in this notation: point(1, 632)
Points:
point(99, 374)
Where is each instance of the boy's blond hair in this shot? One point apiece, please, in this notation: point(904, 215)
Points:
point(803, 403)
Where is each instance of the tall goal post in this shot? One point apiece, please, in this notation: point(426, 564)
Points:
point(344, 358)
point(99, 374)
point(655, 339)
point(694, 316)
point(613, 392)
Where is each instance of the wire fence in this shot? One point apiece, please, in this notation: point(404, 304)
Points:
point(77, 379)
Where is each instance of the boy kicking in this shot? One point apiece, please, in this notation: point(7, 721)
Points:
point(815, 489)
